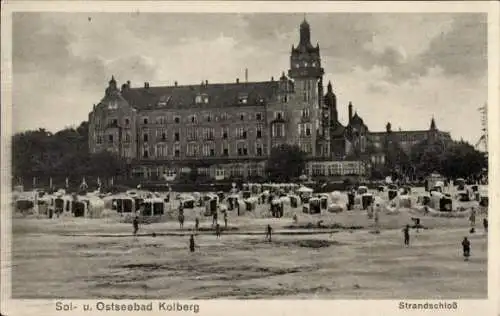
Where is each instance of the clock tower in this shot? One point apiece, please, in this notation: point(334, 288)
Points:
point(307, 74)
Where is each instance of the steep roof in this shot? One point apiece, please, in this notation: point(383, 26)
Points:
point(338, 130)
point(219, 95)
point(357, 120)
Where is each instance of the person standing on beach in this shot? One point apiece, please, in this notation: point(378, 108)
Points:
point(225, 220)
point(191, 243)
point(466, 248)
point(196, 224)
point(181, 220)
point(406, 232)
point(135, 223)
point(269, 232)
point(485, 224)
point(217, 231)
point(472, 218)
point(214, 218)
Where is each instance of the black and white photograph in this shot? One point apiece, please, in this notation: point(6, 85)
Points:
point(248, 155)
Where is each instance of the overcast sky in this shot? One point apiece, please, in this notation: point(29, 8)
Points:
point(402, 68)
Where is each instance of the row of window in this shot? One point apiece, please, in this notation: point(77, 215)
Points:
point(194, 119)
point(204, 150)
point(233, 171)
point(192, 134)
point(337, 169)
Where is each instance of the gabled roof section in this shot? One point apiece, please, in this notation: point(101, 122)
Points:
point(202, 96)
point(338, 130)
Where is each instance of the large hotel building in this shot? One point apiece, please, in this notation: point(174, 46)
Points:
point(227, 130)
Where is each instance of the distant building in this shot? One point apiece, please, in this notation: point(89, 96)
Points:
point(228, 129)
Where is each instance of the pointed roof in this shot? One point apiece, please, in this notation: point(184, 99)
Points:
point(356, 120)
point(330, 88)
point(433, 124)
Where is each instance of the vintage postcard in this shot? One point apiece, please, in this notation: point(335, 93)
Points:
point(222, 158)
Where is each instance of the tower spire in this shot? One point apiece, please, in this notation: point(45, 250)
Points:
point(433, 124)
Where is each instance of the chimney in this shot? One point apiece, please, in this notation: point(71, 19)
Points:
point(246, 74)
point(350, 112)
point(206, 83)
point(128, 83)
point(272, 78)
point(237, 80)
point(175, 83)
point(146, 85)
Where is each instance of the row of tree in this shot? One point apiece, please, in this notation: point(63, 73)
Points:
point(453, 159)
point(41, 154)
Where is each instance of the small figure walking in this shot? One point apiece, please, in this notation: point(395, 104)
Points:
point(466, 248)
point(472, 218)
point(269, 232)
point(181, 220)
point(225, 220)
point(217, 231)
point(191, 243)
point(485, 224)
point(214, 218)
point(136, 225)
point(196, 224)
point(406, 232)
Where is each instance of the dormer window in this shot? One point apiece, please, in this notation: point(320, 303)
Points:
point(243, 98)
point(279, 115)
point(177, 120)
point(201, 98)
point(192, 119)
point(242, 117)
point(113, 105)
point(145, 120)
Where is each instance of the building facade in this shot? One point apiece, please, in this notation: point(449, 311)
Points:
point(227, 130)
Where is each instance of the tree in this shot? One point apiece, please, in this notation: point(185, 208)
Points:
point(41, 154)
point(428, 156)
point(462, 160)
point(286, 162)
